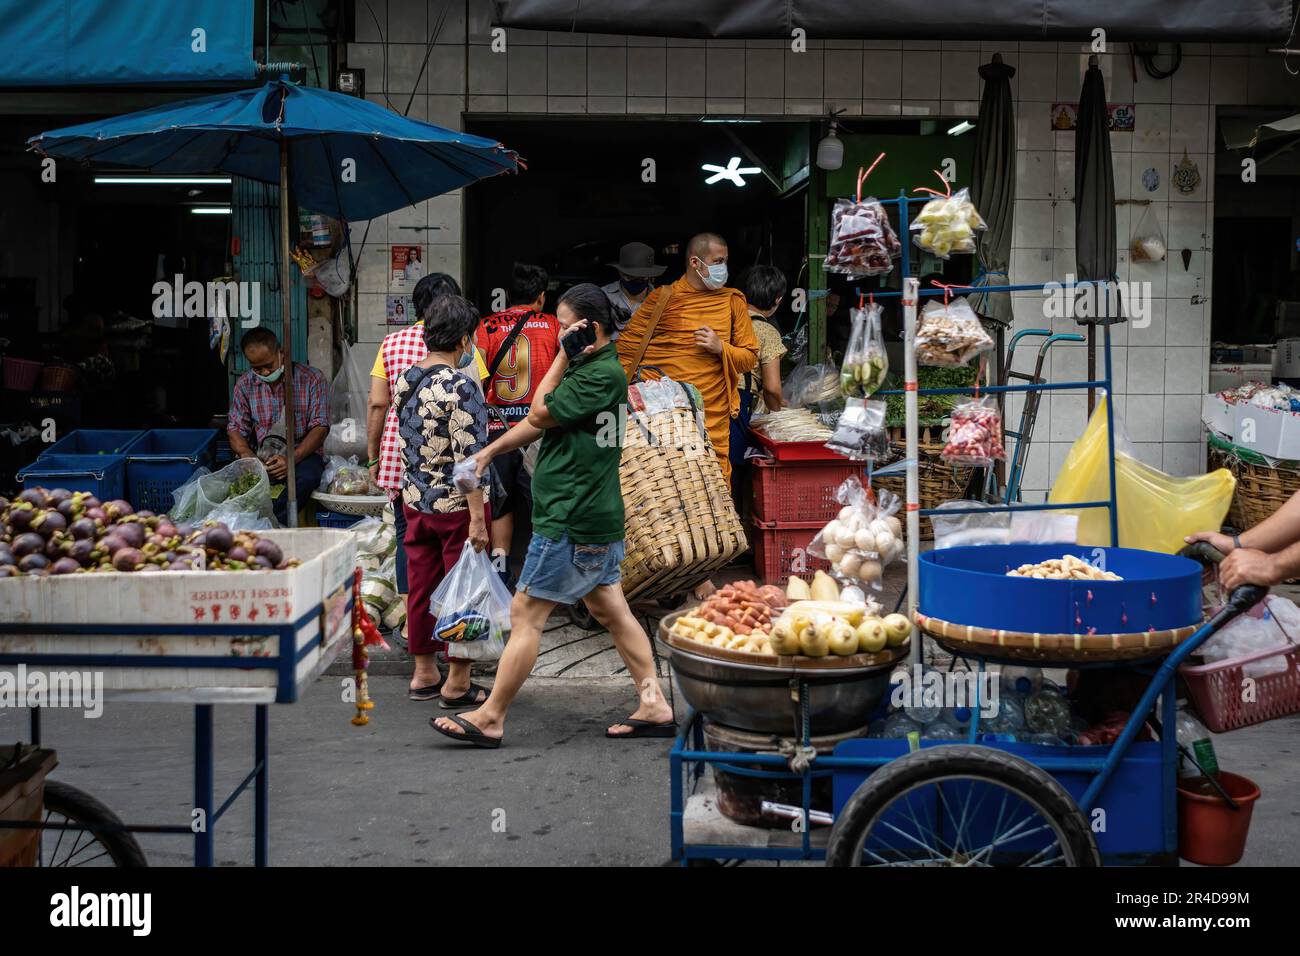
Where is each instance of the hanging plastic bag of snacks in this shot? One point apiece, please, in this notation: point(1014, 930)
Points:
point(860, 432)
point(1148, 242)
point(947, 223)
point(864, 538)
point(975, 435)
point(950, 334)
point(865, 362)
point(863, 242)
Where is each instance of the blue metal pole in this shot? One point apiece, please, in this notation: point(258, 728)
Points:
point(905, 240)
point(203, 783)
point(262, 791)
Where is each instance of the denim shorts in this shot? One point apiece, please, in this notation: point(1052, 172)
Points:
point(565, 572)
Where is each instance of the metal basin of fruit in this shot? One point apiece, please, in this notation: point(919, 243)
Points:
point(754, 691)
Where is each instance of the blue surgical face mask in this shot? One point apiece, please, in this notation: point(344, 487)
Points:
point(466, 359)
point(717, 275)
point(271, 377)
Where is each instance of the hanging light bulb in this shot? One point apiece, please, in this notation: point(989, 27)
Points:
point(830, 151)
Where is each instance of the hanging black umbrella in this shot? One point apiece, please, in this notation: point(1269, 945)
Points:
point(1094, 203)
point(993, 187)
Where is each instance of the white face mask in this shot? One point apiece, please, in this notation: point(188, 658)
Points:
point(717, 275)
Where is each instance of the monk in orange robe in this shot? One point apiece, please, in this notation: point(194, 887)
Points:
point(704, 337)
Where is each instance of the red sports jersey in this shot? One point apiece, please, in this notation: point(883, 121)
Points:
point(511, 387)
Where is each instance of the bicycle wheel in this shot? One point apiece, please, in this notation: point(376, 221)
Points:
point(960, 805)
point(84, 847)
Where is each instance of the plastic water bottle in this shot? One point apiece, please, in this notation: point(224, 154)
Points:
point(941, 730)
point(1047, 711)
point(921, 713)
point(1010, 718)
point(1020, 681)
point(897, 726)
point(958, 718)
point(1193, 735)
point(1046, 740)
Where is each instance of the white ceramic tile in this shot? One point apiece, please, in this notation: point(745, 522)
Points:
point(1063, 178)
point(1185, 281)
point(1122, 171)
point(1034, 126)
point(1152, 128)
point(686, 71)
point(1035, 173)
point(444, 111)
point(1152, 273)
point(1184, 459)
point(724, 106)
point(1150, 329)
point(920, 108)
point(882, 74)
point(803, 75)
point(607, 71)
point(445, 71)
point(1148, 90)
point(1192, 81)
point(882, 44)
point(842, 74)
point(1149, 453)
point(606, 39)
point(488, 104)
point(566, 71)
point(1182, 419)
point(686, 105)
point(646, 71)
point(1184, 370)
point(606, 104)
point(959, 75)
point(764, 74)
point(646, 104)
point(1187, 225)
point(767, 106)
point(1032, 223)
point(1146, 371)
point(1228, 78)
point(487, 72)
point(801, 107)
point(848, 107)
point(921, 74)
point(1200, 193)
point(1058, 451)
point(565, 38)
point(527, 103)
point(1138, 166)
point(526, 69)
point(881, 108)
point(961, 108)
point(1036, 477)
point(1144, 417)
point(725, 73)
point(1036, 77)
point(1070, 70)
point(1063, 225)
point(1189, 128)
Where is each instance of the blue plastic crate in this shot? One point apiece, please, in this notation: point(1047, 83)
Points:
point(332, 519)
point(162, 461)
point(104, 476)
point(96, 441)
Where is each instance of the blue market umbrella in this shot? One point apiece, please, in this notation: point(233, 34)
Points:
point(336, 154)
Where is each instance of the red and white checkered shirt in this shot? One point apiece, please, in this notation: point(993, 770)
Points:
point(255, 407)
point(400, 350)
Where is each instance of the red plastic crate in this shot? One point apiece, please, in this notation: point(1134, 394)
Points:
point(800, 492)
point(797, 450)
point(781, 550)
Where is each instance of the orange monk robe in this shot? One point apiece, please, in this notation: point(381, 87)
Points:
point(673, 350)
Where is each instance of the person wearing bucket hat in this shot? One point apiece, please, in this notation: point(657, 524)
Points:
point(636, 267)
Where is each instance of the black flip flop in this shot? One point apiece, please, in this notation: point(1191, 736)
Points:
point(472, 735)
point(426, 693)
point(644, 728)
point(467, 699)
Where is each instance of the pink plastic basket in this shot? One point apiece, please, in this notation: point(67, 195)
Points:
point(20, 375)
point(1217, 690)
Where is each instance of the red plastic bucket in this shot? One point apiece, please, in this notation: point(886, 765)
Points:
point(1210, 832)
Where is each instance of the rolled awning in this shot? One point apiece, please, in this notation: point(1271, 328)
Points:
point(1179, 20)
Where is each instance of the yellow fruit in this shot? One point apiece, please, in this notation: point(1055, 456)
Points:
point(824, 587)
point(842, 640)
point(897, 628)
point(813, 643)
point(796, 589)
point(785, 639)
point(871, 636)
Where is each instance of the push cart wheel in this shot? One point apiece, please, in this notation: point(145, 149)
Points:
point(959, 805)
point(73, 847)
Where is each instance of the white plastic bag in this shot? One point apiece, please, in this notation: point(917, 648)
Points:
point(950, 334)
point(238, 494)
point(1273, 623)
point(345, 476)
point(865, 361)
point(860, 433)
point(349, 399)
point(1148, 242)
point(472, 607)
point(947, 224)
point(863, 538)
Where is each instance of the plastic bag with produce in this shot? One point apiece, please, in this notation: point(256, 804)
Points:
point(241, 491)
point(863, 538)
point(1148, 242)
point(975, 435)
point(863, 242)
point(947, 224)
point(950, 334)
point(865, 362)
point(812, 386)
point(860, 433)
point(472, 607)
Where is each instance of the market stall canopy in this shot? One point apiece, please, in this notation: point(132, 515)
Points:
point(1242, 20)
point(348, 158)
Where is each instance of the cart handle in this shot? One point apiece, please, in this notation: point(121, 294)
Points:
point(1242, 598)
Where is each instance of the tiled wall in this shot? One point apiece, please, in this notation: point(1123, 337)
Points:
point(1159, 369)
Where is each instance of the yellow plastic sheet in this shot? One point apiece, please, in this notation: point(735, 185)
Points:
point(1156, 511)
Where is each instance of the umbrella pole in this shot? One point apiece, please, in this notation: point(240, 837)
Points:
point(287, 338)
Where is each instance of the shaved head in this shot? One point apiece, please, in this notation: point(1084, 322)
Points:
point(702, 243)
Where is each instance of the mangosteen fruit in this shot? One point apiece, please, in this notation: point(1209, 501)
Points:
point(34, 562)
point(97, 514)
point(83, 551)
point(132, 532)
point(47, 522)
point(28, 543)
point(218, 537)
point(65, 566)
point(112, 542)
point(33, 496)
point(57, 546)
point(9, 571)
point(82, 529)
point(6, 557)
point(271, 551)
point(69, 508)
point(58, 495)
point(118, 509)
point(127, 559)
point(20, 519)
point(237, 553)
point(260, 561)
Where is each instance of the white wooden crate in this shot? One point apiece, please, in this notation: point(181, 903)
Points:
point(321, 583)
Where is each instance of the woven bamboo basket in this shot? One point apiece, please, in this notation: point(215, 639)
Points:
point(937, 481)
point(679, 519)
point(1263, 485)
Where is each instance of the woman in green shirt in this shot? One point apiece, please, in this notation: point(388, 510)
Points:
point(577, 544)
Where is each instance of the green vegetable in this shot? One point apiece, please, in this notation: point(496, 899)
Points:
point(930, 409)
point(244, 483)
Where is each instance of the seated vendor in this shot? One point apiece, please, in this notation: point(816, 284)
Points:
point(257, 423)
point(1267, 554)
